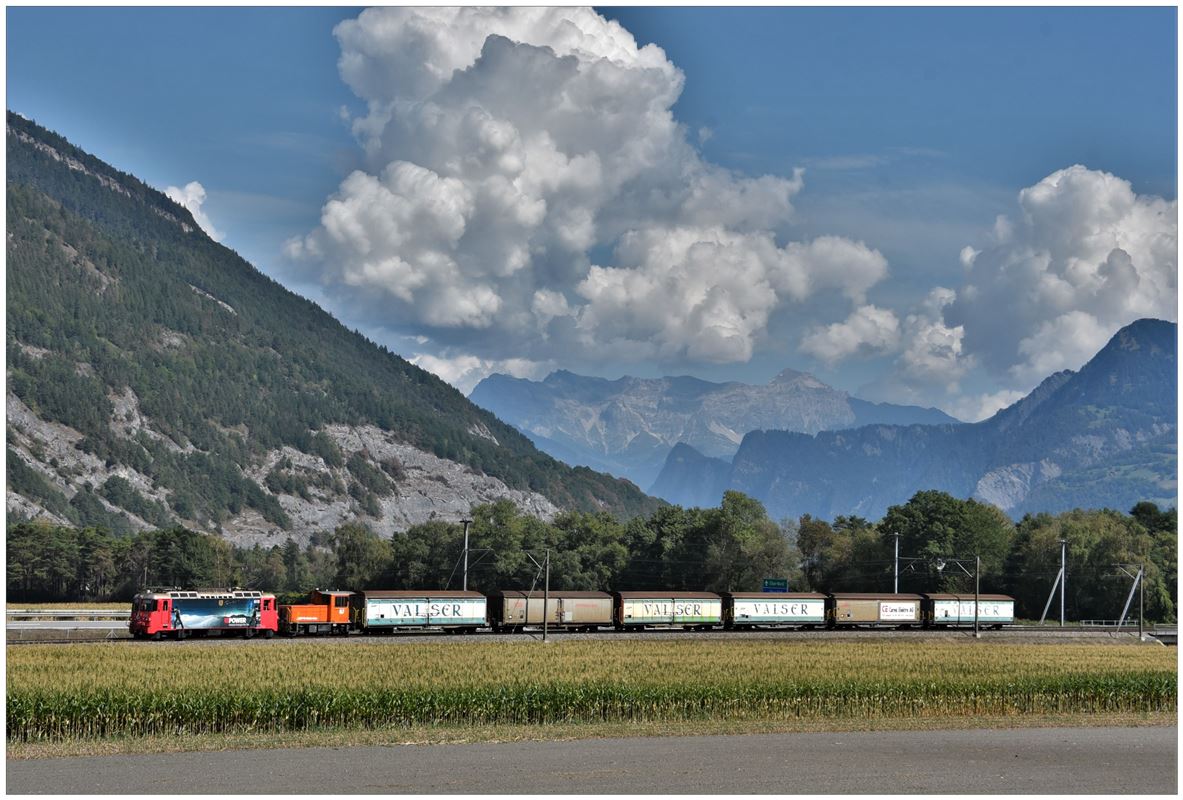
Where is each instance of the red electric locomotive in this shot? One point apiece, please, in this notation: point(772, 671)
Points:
point(181, 613)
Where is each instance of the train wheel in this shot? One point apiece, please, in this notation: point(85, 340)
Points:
point(181, 636)
point(249, 633)
point(156, 637)
point(268, 634)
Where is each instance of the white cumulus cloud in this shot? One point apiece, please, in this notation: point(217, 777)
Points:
point(975, 408)
point(192, 197)
point(868, 330)
point(527, 190)
point(1084, 256)
point(932, 359)
point(933, 352)
point(706, 294)
point(464, 370)
point(1067, 341)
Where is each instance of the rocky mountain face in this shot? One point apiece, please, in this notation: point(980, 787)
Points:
point(628, 427)
point(1100, 437)
point(313, 494)
point(156, 378)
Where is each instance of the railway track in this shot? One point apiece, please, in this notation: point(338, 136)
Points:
point(106, 631)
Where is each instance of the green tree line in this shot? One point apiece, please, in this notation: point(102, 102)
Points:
point(1022, 560)
point(729, 548)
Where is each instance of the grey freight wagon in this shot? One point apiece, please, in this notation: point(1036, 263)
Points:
point(512, 610)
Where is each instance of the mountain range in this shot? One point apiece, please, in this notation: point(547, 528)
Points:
point(1104, 436)
point(157, 378)
point(627, 427)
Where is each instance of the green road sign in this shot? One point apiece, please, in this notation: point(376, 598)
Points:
point(776, 584)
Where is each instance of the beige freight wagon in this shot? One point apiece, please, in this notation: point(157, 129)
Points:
point(887, 610)
point(513, 610)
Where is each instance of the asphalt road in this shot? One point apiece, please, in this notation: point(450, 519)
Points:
point(1027, 761)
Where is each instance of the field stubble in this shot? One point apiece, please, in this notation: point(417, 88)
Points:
point(92, 692)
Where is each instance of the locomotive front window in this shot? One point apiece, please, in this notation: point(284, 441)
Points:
point(341, 601)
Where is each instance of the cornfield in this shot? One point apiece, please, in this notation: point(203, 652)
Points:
point(91, 691)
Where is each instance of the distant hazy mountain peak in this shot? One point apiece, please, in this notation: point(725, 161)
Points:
point(1099, 437)
point(1022, 409)
point(792, 377)
point(627, 426)
point(1145, 332)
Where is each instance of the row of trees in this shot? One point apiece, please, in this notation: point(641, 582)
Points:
point(57, 563)
point(732, 547)
point(1020, 560)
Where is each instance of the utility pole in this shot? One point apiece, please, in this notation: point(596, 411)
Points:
point(546, 596)
point(1137, 584)
point(942, 562)
point(977, 592)
point(896, 586)
point(1063, 577)
point(1051, 596)
point(466, 522)
point(1141, 600)
point(544, 567)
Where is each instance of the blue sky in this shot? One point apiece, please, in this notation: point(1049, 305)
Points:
point(916, 129)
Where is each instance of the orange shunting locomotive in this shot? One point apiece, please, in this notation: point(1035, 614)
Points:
point(325, 612)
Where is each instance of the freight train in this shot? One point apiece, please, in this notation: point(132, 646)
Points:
point(180, 613)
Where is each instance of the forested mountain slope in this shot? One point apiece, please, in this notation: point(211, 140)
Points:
point(155, 376)
point(1100, 437)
